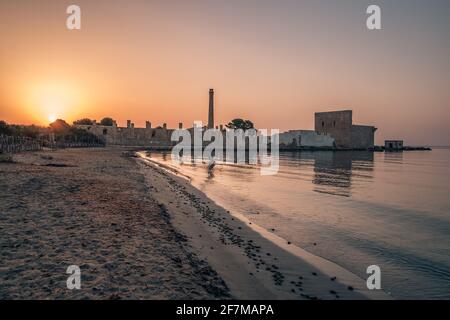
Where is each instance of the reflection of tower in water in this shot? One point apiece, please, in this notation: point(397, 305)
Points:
point(335, 172)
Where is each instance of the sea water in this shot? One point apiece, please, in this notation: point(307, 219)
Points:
point(353, 208)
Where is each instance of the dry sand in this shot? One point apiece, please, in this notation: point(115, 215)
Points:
point(98, 213)
point(140, 232)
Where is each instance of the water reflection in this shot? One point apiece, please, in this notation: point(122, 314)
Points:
point(393, 157)
point(334, 172)
point(330, 172)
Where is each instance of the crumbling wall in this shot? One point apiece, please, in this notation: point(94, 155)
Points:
point(131, 136)
point(305, 138)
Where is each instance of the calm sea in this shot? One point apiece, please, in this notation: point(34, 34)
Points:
point(353, 208)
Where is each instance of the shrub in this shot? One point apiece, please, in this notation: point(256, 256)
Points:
point(4, 128)
point(107, 122)
point(84, 121)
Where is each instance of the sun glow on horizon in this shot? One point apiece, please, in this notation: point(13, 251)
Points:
point(52, 118)
point(48, 100)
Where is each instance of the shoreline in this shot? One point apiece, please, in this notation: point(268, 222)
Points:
point(140, 232)
point(281, 270)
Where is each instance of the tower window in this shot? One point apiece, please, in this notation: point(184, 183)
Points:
point(323, 124)
point(105, 131)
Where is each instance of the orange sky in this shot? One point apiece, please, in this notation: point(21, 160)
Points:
point(274, 62)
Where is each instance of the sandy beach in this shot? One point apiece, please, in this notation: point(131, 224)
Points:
point(138, 231)
point(92, 208)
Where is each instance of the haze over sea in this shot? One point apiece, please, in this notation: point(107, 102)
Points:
point(354, 208)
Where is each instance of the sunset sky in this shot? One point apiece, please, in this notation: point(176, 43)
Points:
point(274, 62)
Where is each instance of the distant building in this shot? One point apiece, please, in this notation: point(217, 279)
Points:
point(332, 130)
point(131, 136)
point(297, 139)
point(339, 124)
point(148, 136)
point(393, 145)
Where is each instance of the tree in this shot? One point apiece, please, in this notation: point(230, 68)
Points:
point(84, 121)
point(59, 127)
point(31, 131)
point(81, 135)
point(240, 124)
point(107, 122)
point(16, 130)
point(4, 128)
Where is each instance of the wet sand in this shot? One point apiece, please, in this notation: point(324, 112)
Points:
point(254, 263)
point(140, 232)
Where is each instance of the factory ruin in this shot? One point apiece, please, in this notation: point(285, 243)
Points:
point(333, 131)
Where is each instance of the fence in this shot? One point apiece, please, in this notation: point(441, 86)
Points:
point(15, 144)
point(10, 144)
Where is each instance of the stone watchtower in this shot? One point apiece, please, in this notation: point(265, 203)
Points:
point(211, 109)
point(339, 124)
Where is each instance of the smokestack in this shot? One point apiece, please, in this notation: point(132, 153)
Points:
point(128, 123)
point(148, 124)
point(165, 125)
point(211, 109)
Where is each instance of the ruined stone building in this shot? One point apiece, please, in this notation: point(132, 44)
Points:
point(393, 145)
point(332, 130)
point(339, 125)
point(148, 136)
point(298, 139)
point(131, 136)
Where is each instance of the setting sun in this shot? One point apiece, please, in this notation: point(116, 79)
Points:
point(52, 118)
point(47, 100)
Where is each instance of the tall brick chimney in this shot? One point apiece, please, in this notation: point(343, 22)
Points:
point(211, 109)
